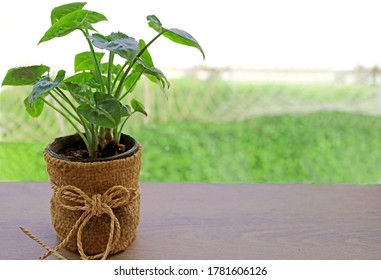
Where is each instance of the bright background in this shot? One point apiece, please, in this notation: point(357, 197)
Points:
point(332, 34)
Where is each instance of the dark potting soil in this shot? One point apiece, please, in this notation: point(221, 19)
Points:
point(79, 150)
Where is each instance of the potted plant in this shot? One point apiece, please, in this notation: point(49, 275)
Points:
point(94, 173)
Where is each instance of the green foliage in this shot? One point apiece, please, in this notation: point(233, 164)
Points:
point(93, 100)
point(84, 61)
point(74, 20)
point(44, 86)
point(174, 34)
point(117, 43)
point(63, 10)
point(106, 112)
point(24, 76)
point(138, 106)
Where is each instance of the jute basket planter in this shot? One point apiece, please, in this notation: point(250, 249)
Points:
point(95, 205)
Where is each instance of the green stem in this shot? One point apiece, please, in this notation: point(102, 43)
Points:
point(64, 97)
point(64, 107)
point(80, 118)
point(129, 90)
point(118, 75)
point(95, 61)
point(89, 137)
point(68, 119)
point(109, 72)
point(119, 132)
point(94, 140)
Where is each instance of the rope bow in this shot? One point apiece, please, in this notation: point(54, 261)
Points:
point(74, 199)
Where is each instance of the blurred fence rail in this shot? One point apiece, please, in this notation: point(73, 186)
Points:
point(359, 75)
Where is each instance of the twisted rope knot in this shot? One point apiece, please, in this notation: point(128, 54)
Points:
point(74, 199)
point(97, 206)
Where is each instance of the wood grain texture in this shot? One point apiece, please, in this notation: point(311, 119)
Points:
point(218, 221)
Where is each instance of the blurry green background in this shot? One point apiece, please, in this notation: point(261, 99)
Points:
point(215, 129)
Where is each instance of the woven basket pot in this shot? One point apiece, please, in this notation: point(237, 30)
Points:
point(92, 181)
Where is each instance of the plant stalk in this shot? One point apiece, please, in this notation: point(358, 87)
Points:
point(95, 61)
point(109, 72)
point(68, 119)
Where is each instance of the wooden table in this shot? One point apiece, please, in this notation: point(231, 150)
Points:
point(218, 221)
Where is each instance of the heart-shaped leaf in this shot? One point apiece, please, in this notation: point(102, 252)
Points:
point(106, 112)
point(79, 19)
point(24, 76)
point(83, 78)
point(43, 86)
point(118, 43)
point(60, 11)
point(176, 35)
point(84, 61)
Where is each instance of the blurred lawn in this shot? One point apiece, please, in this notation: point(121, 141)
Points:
point(320, 147)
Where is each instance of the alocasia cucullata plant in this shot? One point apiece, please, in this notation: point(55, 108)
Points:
point(94, 99)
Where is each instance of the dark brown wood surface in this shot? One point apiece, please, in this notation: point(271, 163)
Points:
point(218, 221)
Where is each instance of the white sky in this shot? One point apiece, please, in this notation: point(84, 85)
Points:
point(333, 34)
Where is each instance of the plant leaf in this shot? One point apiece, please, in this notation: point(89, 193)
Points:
point(114, 68)
point(60, 11)
point(106, 112)
point(145, 56)
point(138, 107)
point(182, 37)
point(126, 111)
point(155, 23)
point(118, 43)
point(79, 19)
point(79, 93)
point(37, 108)
point(140, 66)
point(84, 61)
point(82, 78)
point(24, 76)
point(108, 103)
point(176, 35)
point(147, 68)
point(43, 86)
point(131, 81)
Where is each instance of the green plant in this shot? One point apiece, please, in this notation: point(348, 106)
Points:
point(93, 100)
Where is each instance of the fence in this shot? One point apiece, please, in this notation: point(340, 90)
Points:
point(359, 75)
